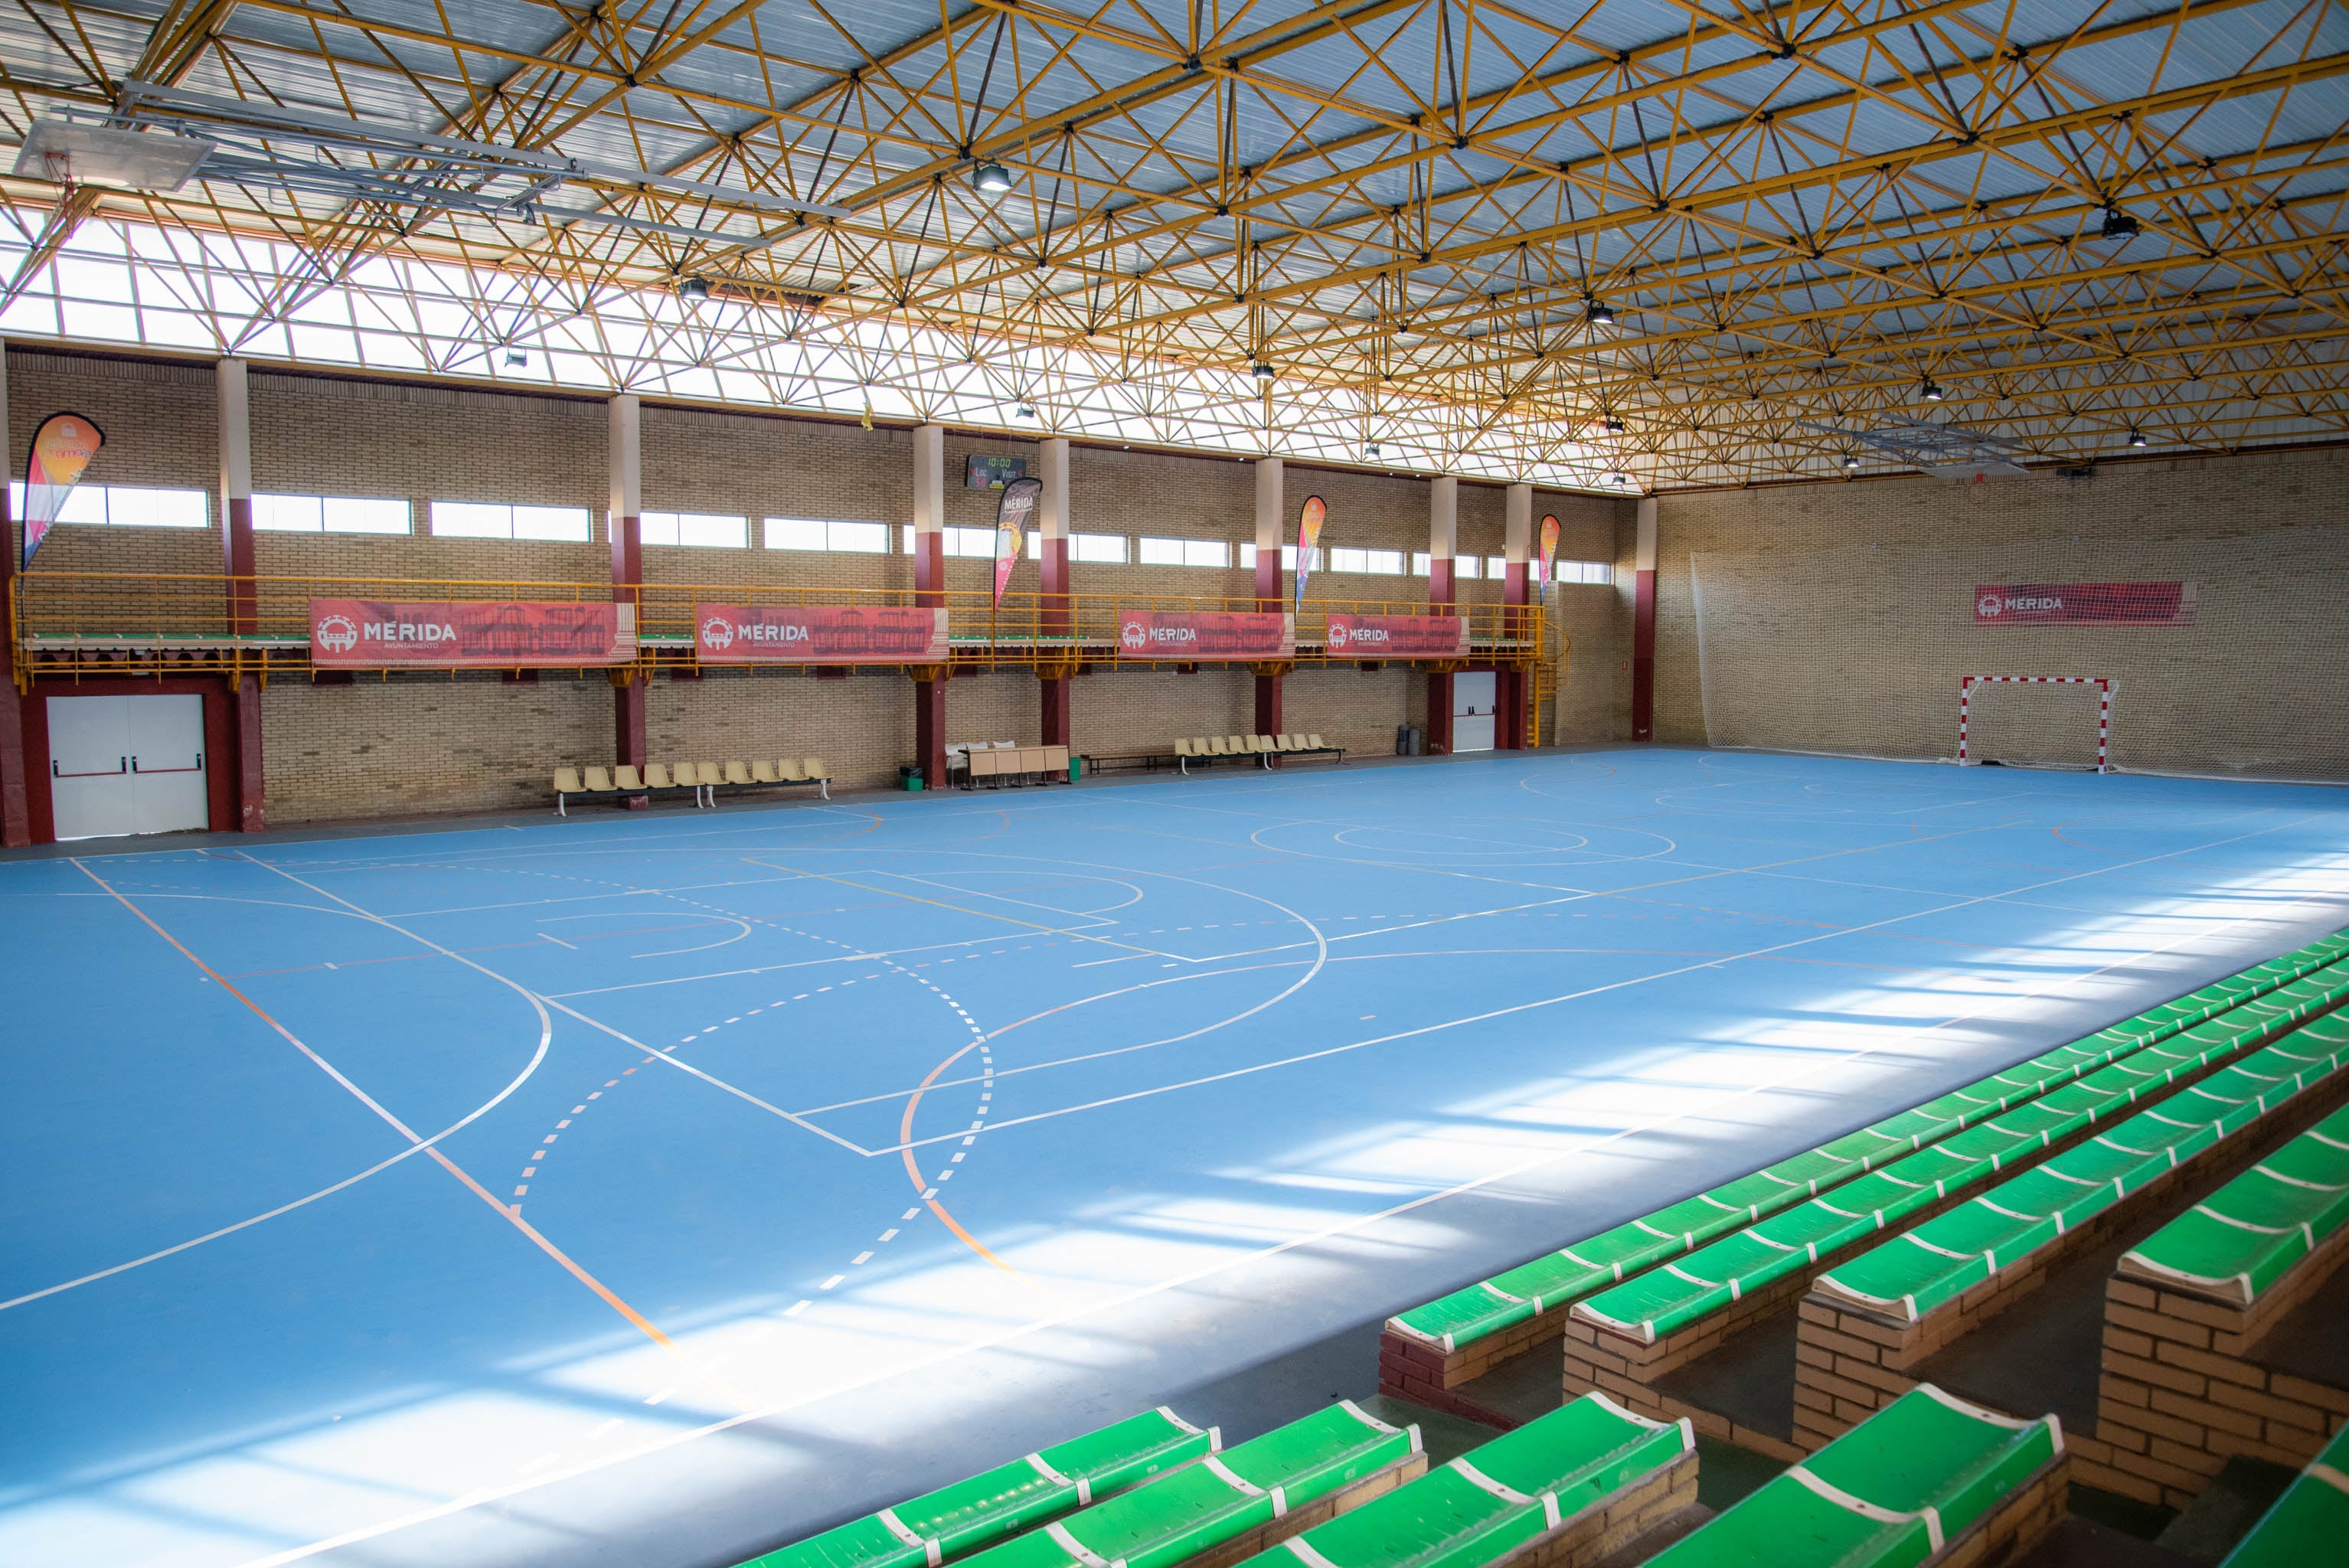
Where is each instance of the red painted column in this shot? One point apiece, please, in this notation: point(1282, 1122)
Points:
point(623, 524)
point(1270, 521)
point(1267, 705)
point(237, 561)
point(15, 800)
point(1055, 618)
point(1643, 626)
point(930, 589)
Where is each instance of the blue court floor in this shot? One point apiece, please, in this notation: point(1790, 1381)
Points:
point(650, 1188)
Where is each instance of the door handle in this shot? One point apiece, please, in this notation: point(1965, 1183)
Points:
point(121, 765)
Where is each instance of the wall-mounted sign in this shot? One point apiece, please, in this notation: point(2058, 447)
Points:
point(1398, 636)
point(1207, 636)
point(374, 633)
point(2084, 605)
point(981, 472)
point(820, 635)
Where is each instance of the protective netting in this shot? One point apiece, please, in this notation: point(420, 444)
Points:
point(1859, 651)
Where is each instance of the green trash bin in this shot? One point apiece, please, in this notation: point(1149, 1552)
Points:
point(1076, 769)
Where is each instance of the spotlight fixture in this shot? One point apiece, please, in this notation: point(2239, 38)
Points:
point(694, 289)
point(1369, 449)
point(1619, 479)
point(2137, 437)
point(1026, 411)
point(1598, 313)
point(2117, 224)
point(1852, 459)
point(991, 178)
point(1932, 390)
point(1262, 371)
point(1613, 424)
point(517, 356)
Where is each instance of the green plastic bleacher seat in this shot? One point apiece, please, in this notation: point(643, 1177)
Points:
point(1210, 1503)
point(1512, 1297)
point(2242, 1238)
point(968, 1515)
point(2309, 1523)
point(1487, 1503)
point(1889, 1493)
point(1681, 1293)
point(1911, 1274)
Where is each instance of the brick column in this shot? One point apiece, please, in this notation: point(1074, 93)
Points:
point(1052, 545)
point(15, 803)
point(1443, 555)
point(624, 528)
point(1271, 519)
point(1510, 686)
point(929, 589)
point(1643, 626)
point(244, 600)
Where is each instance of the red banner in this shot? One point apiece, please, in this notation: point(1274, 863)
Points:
point(1207, 636)
point(374, 633)
point(821, 634)
point(2084, 605)
point(1398, 636)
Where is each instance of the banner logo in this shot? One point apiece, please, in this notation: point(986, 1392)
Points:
point(1398, 636)
point(378, 634)
point(821, 634)
point(2084, 604)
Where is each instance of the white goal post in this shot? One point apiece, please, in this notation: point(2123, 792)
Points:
point(2103, 684)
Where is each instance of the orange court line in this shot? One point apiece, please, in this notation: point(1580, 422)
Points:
point(548, 1247)
point(914, 1171)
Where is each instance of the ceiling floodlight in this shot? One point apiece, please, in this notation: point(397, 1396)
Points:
point(694, 289)
point(2117, 224)
point(1369, 449)
point(66, 151)
point(1619, 479)
point(517, 356)
point(991, 178)
point(1598, 313)
point(1852, 459)
point(1932, 390)
point(1613, 424)
point(2137, 437)
point(1262, 372)
point(1026, 410)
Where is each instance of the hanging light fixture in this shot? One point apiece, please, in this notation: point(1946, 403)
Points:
point(694, 289)
point(1598, 313)
point(1262, 371)
point(1932, 390)
point(1613, 424)
point(1852, 459)
point(2136, 438)
point(991, 178)
point(2119, 224)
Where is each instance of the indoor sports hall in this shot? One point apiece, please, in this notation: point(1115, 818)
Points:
point(1304, 783)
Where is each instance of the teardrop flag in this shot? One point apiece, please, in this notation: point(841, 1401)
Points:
point(1308, 538)
point(1014, 511)
point(1548, 551)
point(62, 448)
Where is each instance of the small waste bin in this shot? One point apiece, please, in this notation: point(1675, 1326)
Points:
point(1076, 769)
point(909, 775)
point(1407, 740)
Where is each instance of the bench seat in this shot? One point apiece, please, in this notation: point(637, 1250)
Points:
point(1489, 1505)
point(1894, 1491)
point(2309, 1521)
point(1211, 1505)
point(2248, 1234)
point(988, 1508)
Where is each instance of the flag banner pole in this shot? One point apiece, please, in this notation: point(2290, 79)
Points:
point(62, 448)
point(1014, 511)
point(1548, 554)
point(1309, 520)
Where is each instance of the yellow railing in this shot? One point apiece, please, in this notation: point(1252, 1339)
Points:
point(137, 622)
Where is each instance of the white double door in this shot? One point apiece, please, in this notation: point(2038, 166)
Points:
point(122, 765)
point(1474, 705)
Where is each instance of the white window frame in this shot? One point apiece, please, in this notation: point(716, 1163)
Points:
point(121, 506)
point(1213, 554)
point(677, 530)
point(843, 536)
point(275, 513)
point(558, 524)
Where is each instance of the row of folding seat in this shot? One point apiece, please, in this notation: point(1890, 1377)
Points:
point(1448, 1338)
point(703, 779)
point(1259, 747)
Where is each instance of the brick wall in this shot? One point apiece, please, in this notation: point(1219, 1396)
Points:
point(1844, 617)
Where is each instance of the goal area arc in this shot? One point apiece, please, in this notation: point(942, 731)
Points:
point(2104, 685)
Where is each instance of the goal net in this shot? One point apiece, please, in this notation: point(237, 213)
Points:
point(2035, 721)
